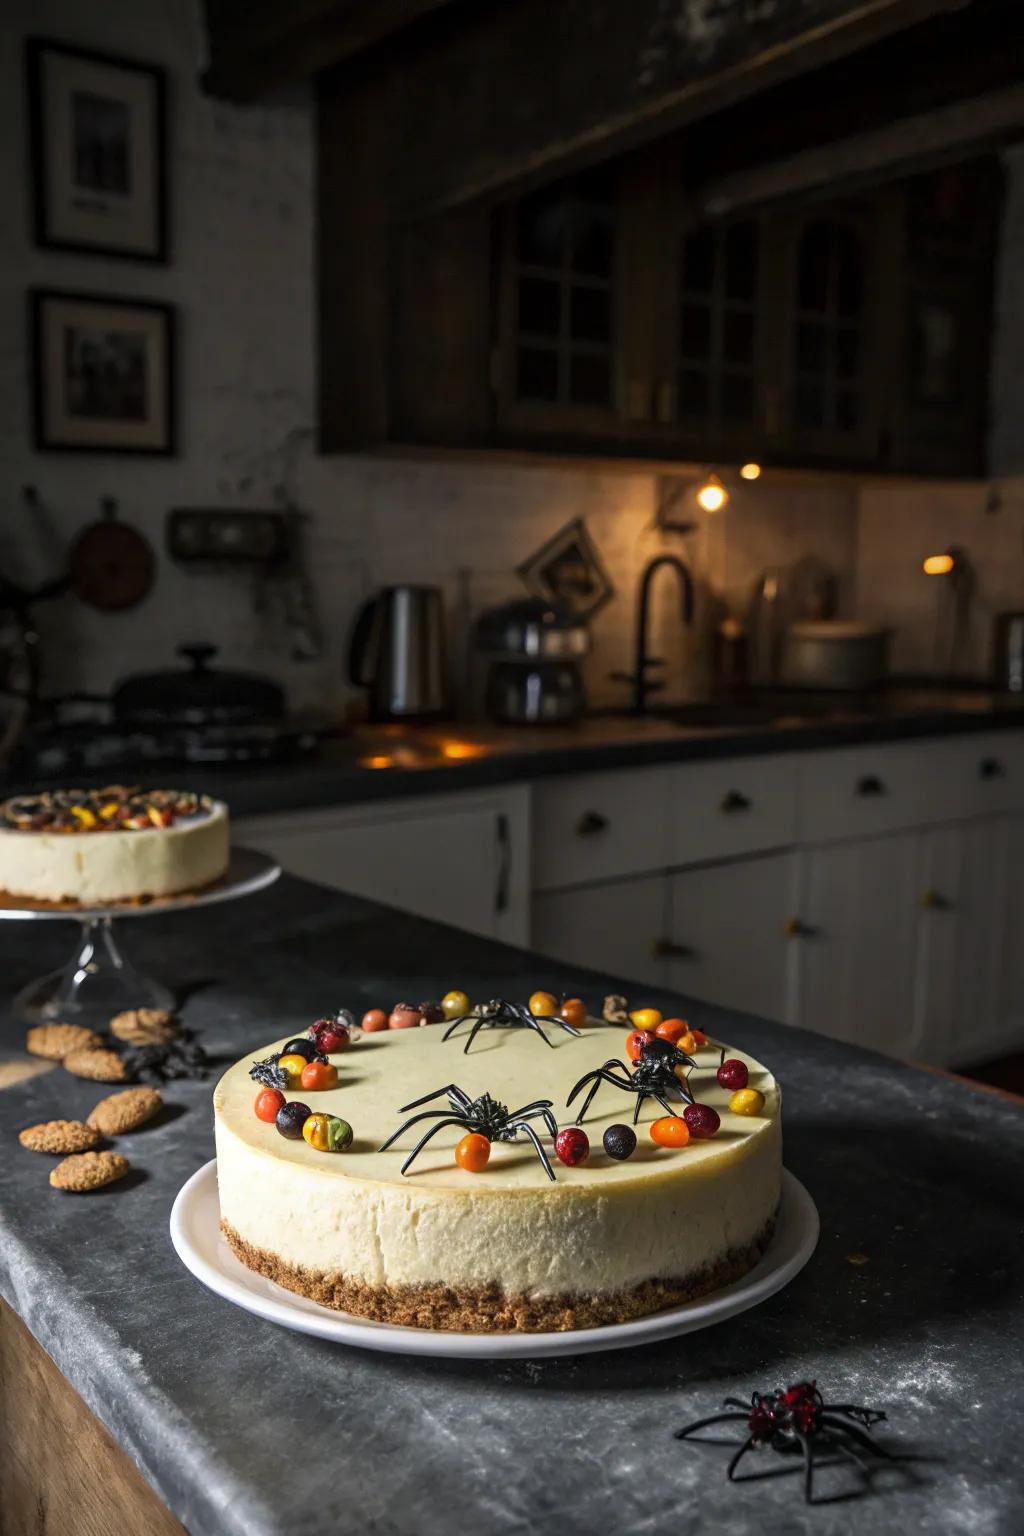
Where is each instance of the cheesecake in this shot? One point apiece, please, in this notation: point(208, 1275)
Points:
point(527, 1243)
point(86, 848)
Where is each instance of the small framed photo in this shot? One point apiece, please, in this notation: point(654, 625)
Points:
point(98, 137)
point(103, 373)
point(567, 570)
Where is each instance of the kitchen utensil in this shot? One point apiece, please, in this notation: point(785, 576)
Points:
point(197, 1239)
point(834, 653)
point(1008, 653)
point(398, 654)
point(111, 563)
point(198, 694)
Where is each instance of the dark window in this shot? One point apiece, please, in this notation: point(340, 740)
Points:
point(828, 339)
point(540, 307)
point(718, 323)
point(537, 374)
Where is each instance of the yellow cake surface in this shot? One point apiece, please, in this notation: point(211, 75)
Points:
point(505, 1248)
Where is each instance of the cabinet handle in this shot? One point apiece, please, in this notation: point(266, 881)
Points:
point(991, 768)
point(504, 841)
point(934, 901)
point(591, 823)
point(870, 786)
point(733, 801)
point(795, 929)
point(667, 949)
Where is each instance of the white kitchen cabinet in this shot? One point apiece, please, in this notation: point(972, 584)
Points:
point(858, 912)
point(462, 859)
point(613, 927)
point(729, 939)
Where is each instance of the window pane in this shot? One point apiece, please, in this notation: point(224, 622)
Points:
point(809, 403)
point(737, 396)
point(738, 337)
point(848, 410)
point(540, 306)
point(815, 246)
point(590, 314)
point(536, 374)
point(589, 379)
point(847, 352)
point(694, 392)
point(542, 223)
point(811, 347)
point(696, 338)
point(851, 271)
point(699, 262)
point(592, 241)
point(741, 261)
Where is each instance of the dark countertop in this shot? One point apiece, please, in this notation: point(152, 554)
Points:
point(245, 1429)
point(383, 762)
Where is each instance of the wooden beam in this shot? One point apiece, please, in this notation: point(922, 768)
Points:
point(896, 149)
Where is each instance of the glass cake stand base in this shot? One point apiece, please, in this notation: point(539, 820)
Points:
point(99, 980)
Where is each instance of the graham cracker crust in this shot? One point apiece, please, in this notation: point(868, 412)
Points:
point(11, 901)
point(488, 1309)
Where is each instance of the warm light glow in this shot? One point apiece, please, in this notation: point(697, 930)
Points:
point(712, 495)
point(750, 471)
point(458, 750)
point(380, 760)
point(938, 565)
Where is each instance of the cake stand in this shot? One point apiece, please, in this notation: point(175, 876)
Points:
point(99, 979)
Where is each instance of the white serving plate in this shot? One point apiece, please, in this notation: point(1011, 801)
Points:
point(195, 1233)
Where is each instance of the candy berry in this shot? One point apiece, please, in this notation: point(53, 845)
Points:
point(319, 1075)
point(304, 1048)
point(294, 1065)
point(431, 1013)
point(700, 1037)
point(619, 1142)
point(454, 1004)
point(636, 1041)
point(573, 1012)
point(472, 1152)
point(733, 1074)
point(572, 1146)
point(645, 1018)
point(670, 1131)
point(747, 1102)
point(404, 1016)
point(268, 1102)
point(701, 1121)
point(373, 1020)
point(291, 1118)
point(544, 1003)
point(339, 1134)
point(671, 1029)
point(314, 1131)
point(330, 1036)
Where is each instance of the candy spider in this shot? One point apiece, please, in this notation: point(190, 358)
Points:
point(497, 1014)
point(653, 1076)
point(798, 1419)
point(484, 1116)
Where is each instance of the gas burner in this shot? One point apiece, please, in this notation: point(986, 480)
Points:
point(91, 746)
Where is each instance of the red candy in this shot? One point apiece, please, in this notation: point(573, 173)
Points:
point(268, 1102)
point(329, 1037)
point(701, 1120)
point(636, 1041)
point(733, 1074)
point(572, 1146)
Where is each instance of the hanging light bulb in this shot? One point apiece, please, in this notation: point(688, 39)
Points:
point(712, 495)
point(750, 471)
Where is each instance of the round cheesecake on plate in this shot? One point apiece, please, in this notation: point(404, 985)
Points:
point(90, 847)
point(507, 1247)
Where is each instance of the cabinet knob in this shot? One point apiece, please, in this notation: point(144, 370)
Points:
point(795, 929)
point(934, 901)
point(667, 949)
point(733, 801)
point(591, 823)
point(870, 786)
point(991, 768)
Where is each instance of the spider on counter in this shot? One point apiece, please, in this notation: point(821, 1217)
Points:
point(655, 1074)
point(498, 1014)
point(482, 1117)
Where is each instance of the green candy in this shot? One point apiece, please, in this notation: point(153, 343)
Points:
point(339, 1134)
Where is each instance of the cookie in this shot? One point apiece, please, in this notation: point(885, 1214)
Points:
point(101, 1066)
point(55, 1041)
point(125, 1111)
point(61, 1136)
point(89, 1170)
point(145, 1026)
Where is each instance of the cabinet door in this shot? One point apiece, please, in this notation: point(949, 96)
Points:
point(961, 941)
point(462, 861)
point(727, 939)
point(859, 905)
point(613, 927)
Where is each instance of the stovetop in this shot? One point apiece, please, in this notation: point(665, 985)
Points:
point(58, 748)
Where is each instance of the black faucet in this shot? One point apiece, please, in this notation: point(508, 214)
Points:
point(638, 678)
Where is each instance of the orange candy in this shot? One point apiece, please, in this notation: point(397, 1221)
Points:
point(574, 1012)
point(636, 1041)
point(473, 1152)
point(373, 1020)
point(671, 1029)
point(670, 1131)
point(700, 1037)
point(687, 1042)
point(317, 1075)
point(545, 1003)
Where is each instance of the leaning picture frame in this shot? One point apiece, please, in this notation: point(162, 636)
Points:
point(98, 142)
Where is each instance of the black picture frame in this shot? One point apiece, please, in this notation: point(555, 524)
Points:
point(123, 435)
point(567, 570)
point(45, 214)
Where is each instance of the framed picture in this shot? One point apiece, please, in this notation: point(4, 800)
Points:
point(103, 373)
point(98, 137)
point(567, 570)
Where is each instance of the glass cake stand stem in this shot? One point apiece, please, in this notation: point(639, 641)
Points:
point(97, 981)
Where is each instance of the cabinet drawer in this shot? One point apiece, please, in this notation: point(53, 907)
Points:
point(723, 809)
point(868, 790)
point(599, 827)
point(611, 928)
point(990, 773)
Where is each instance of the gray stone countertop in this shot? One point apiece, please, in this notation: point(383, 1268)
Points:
point(245, 1429)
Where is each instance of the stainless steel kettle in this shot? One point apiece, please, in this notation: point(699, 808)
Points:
point(397, 653)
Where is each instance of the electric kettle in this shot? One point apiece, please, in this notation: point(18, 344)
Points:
point(397, 653)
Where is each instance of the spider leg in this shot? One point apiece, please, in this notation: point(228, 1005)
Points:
point(856, 1433)
point(730, 1470)
point(453, 1026)
point(418, 1148)
point(605, 1069)
point(537, 1148)
point(848, 1451)
point(807, 1451)
point(477, 1027)
point(541, 1109)
point(669, 1110)
point(865, 1416)
point(535, 1024)
point(428, 1114)
point(736, 1402)
point(452, 1088)
point(715, 1418)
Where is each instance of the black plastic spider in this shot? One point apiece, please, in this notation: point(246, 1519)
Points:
point(798, 1420)
point(497, 1014)
point(484, 1116)
point(652, 1077)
